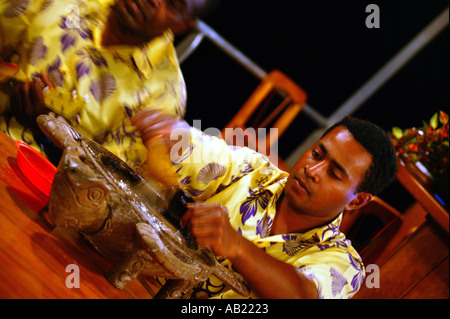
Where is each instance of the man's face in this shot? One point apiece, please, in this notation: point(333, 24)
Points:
point(150, 18)
point(323, 182)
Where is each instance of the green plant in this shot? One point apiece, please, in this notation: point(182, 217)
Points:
point(428, 144)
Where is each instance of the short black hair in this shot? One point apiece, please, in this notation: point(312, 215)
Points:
point(377, 142)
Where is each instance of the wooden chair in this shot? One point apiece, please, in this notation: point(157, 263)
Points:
point(273, 105)
point(372, 229)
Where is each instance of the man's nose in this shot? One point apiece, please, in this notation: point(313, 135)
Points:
point(314, 171)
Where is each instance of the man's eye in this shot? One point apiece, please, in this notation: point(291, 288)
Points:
point(333, 174)
point(316, 154)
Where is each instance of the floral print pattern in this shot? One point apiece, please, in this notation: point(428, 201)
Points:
point(251, 204)
point(101, 88)
point(15, 8)
point(37, 51)
point(211, 172)
point(73, 30)
point(249, 188)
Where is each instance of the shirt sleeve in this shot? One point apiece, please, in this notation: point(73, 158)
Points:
point(208, 165)
point(338, 275)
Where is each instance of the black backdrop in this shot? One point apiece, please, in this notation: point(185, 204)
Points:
point(326, 48)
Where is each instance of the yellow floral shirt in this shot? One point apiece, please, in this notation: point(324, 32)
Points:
point(98, 88)
point(248, 185)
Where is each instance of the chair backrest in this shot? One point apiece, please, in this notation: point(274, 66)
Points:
point(266, 114)
point(371, 228)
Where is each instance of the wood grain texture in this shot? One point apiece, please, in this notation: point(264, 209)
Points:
point(419, 262)
point(34, 254)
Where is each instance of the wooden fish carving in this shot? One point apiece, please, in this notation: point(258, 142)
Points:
point(123, 215)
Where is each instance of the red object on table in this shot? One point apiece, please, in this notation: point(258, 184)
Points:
point(36, 168)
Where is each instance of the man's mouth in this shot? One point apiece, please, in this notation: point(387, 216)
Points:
point(302, 184)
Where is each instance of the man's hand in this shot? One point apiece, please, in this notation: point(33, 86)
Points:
point(210, 227)
point(267, 276)
point(151, 124)
point(148, 19)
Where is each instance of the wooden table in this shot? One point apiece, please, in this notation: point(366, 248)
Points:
point(422, 194)
point(417, 270)
point(418, 266)
point(34, 254)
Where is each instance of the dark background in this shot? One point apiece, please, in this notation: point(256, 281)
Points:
point(326, 48)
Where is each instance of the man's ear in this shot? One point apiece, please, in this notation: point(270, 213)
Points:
point(359, 201)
